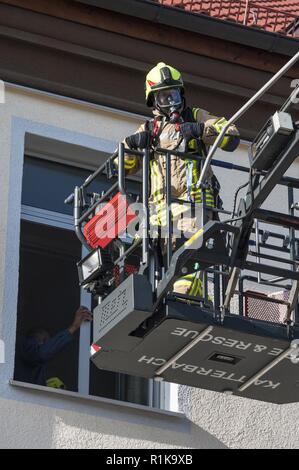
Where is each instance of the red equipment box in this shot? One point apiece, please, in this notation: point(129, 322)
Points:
point(111, 220)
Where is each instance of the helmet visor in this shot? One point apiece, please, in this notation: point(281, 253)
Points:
point(169, 98)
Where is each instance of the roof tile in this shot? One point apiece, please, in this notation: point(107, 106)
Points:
point(271, 15)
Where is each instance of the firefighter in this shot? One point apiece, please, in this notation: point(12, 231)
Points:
point(176, 126)
point(37, 349)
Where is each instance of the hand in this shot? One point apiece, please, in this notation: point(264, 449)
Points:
point(141, 140)
point(81, 315)
point(191, 130)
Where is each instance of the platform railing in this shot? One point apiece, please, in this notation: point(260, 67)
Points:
point(281, 249)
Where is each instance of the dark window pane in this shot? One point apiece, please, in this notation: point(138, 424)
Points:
point(47, 184)
point(48, 297)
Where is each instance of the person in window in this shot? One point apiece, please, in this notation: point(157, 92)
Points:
point(176, 126)
point(38, 348)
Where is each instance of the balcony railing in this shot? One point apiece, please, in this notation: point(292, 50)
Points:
point(246, 12)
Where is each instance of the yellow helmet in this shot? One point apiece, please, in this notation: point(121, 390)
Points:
point(161, 77)
point(55, 382)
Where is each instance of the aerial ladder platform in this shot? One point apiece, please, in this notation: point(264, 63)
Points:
point(142, 328)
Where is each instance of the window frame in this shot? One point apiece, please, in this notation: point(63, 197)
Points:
point(64, 221)
point(162, 396)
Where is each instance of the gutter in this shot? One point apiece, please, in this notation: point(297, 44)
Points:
point(201, 24)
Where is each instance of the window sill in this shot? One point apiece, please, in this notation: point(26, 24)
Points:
point(96, 401)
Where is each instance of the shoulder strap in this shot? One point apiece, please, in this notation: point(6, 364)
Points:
point(188, 115)
point(153, 127)
point(149, 125)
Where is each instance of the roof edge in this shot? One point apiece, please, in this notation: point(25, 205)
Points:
point(205, 25)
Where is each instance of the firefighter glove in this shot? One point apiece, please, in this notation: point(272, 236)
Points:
point(191, 130)
point(141, 140)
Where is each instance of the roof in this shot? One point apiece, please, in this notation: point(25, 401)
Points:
point(156, 13)
point(280, 16)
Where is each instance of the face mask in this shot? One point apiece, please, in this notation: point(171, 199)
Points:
point(169, 101)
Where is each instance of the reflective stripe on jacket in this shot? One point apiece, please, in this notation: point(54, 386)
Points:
point(191, 284)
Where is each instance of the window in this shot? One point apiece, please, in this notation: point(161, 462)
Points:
point(48, 296)
point(48, 284)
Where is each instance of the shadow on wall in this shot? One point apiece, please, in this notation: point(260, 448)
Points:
point(100, 425)
point(117, 427)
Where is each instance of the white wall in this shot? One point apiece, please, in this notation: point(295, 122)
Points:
point(38, 419)
point(242, 423)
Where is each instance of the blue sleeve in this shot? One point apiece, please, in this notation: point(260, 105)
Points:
point(34, 352)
